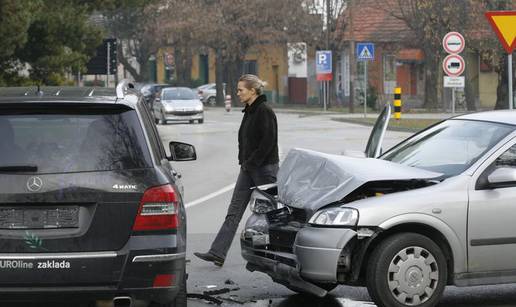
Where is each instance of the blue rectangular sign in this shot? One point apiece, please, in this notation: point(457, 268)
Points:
point(323, 62)
point(365, 51)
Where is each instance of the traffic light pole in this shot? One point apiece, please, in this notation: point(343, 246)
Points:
point(108, 63)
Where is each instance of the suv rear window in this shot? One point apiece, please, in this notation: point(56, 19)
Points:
point(86, 139)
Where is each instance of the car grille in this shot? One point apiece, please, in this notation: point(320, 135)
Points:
point(183, 113)
point(298, 215)
point(282, 238)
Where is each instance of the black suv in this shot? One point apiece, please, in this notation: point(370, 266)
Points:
point(90, 207)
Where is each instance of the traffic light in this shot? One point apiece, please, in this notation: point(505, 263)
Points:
point(98, 64)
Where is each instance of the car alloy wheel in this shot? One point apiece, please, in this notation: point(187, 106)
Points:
point(212, 101)
point(406, 269)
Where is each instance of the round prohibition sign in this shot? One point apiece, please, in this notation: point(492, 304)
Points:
point(453, 65)
point(453, 42)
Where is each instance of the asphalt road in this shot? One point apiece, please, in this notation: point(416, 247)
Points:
point(208, 186)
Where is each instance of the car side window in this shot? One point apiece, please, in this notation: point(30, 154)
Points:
point(508, 158)
point(157, 150)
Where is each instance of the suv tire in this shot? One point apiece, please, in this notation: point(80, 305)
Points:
point(413, 265)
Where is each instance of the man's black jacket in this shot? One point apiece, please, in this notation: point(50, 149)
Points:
point(258, 136)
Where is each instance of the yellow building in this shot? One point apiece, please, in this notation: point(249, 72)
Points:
point(269, 62)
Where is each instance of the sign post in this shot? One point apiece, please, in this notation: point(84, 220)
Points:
point(503, 23)
point(365, 52)
point(323, 69)
point(453, 64)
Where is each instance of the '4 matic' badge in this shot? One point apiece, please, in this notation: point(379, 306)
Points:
point(125, 187)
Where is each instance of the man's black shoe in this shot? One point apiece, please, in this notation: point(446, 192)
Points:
point(211, 258)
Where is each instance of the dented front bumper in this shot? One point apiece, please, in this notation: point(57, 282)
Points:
point(298, 255)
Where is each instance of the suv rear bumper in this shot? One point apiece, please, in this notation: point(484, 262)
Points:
point(130, 271)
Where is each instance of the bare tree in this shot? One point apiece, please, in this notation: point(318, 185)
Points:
point(232, 27)
point(430, 20)
point(136, 24)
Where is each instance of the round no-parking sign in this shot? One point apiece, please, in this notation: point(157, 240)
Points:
point(453, 65)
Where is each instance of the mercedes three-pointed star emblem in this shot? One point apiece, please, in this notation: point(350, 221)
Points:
point(34, 184)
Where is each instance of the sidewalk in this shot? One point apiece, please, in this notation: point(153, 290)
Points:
point(358, 114)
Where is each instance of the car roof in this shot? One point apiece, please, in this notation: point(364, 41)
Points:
point(498, 116)
point(175, 88)
point(65, 94)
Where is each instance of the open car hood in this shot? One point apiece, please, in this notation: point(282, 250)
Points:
point(311, 180)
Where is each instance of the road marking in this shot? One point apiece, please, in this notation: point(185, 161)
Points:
point(210, 196)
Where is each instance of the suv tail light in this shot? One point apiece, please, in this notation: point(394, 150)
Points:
point(158, 210)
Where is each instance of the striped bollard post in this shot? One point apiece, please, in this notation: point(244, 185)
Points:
point(397, 103)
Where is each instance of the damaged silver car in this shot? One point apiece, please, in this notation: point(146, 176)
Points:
point(437, 209)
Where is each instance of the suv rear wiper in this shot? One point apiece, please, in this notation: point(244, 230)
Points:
point(18, 168)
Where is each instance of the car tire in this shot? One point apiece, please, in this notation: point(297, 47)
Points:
point(179, 300)
point(201, 121)
point(192, 121)
point(212, 101)
point(412, 265)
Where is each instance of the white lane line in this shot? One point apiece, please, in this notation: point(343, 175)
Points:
point(221, 191)
point(210, 196)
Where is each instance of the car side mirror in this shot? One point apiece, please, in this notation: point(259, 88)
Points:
point(502, 177)
point(181, 152)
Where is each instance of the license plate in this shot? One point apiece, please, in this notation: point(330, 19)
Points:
point(39, 218)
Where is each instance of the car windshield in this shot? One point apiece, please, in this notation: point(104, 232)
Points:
point(450, 147)
point(179, 94)
point(63, 143)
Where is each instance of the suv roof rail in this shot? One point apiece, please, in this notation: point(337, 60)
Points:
point(122, 87)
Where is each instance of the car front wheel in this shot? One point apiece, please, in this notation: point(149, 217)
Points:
point(406, 269)
point(212, 101)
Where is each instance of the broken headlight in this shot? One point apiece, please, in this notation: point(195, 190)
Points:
point(261, 203)
point(335, 216)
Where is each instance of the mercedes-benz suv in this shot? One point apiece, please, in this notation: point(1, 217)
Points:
point(90, 207)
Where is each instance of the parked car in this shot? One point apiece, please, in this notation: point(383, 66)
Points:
point(437, 209)
point(150, 92)
point(208, 93)
point(90, 207)
point(178, 104)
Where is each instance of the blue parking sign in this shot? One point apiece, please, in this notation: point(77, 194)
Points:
point(365, 51)
point(323, 62)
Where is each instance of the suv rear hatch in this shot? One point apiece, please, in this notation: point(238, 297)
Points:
point(71, 179)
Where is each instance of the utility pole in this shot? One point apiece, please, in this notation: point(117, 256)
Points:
point(328, 27)
point(352, 60)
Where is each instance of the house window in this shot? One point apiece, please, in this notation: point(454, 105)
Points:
point(389, 73)
point(250, 67)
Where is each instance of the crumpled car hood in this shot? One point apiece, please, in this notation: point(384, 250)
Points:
point(310, 180)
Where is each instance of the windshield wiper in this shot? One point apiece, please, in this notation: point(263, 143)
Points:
point(18, 168)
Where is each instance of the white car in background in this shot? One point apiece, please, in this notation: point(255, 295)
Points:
point(208, 93)
point(177, 104)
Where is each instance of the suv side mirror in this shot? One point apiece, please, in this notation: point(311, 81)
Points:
point(181, 152)
point(502, 177)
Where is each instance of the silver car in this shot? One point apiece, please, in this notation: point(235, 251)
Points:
point(208, 93)
point(437, 209)
point(177, 104)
